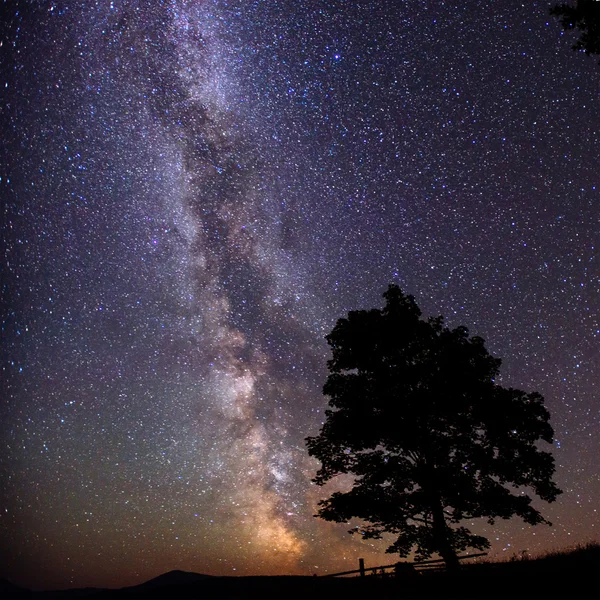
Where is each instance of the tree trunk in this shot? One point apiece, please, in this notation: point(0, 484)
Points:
point(440, 534)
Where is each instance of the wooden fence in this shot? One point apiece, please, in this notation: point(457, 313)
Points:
point(403, 566)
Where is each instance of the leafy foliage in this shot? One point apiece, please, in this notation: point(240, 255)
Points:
point(584, 16)
point(431, 440)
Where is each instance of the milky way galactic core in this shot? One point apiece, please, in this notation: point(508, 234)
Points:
point(193, 192)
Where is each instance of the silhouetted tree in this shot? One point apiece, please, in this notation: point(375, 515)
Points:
point(431, 440)
point(585, 16)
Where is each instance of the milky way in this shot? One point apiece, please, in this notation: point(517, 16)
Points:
point(194, 191)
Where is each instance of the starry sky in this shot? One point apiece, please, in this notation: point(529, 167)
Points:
point(194, 191)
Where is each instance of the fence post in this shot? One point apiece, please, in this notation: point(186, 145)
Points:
point(361, 566)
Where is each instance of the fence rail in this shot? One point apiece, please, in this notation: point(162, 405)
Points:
point(428, 565)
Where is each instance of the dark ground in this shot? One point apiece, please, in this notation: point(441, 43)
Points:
point(569, 576)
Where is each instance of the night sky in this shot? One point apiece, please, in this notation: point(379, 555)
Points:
point(193, 192)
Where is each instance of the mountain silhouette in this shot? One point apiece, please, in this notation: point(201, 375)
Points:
point(172, 578)
point(9, 590)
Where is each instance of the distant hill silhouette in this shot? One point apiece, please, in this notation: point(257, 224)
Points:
point(9, 590)
point(171, 578)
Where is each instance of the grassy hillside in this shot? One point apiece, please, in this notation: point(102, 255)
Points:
point(569, 575)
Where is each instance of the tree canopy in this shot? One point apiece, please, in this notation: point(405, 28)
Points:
point(584, 16)
point(431, 439)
